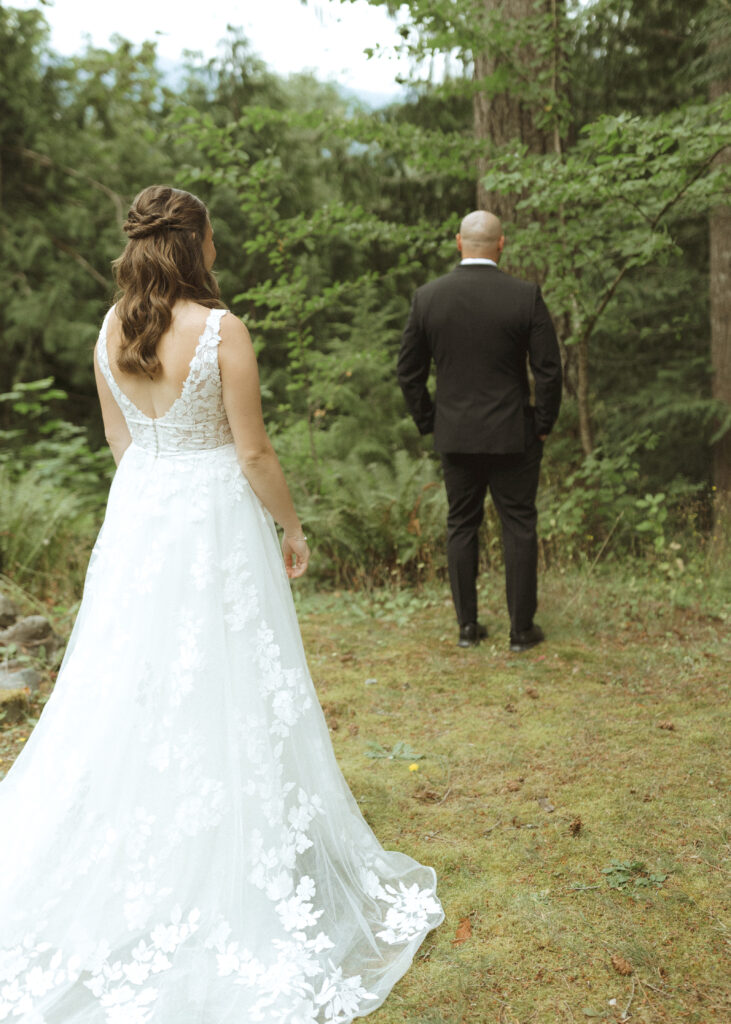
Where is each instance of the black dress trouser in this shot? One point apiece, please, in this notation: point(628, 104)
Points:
point(513, 483)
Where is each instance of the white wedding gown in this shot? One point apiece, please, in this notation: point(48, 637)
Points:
point(178, 845)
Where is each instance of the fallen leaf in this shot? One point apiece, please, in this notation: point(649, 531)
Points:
point(621, 965)
point(576, 826)
point(670, 726)
point(512, 786)
point(353, 729)
point(545, 804)
point(510, 708)
point(532, 692)
point(427, 796)
point(464, 932)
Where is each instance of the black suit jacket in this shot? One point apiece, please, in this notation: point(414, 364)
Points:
point(479, 326)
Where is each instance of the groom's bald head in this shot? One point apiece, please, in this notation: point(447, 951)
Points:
point(480, 235)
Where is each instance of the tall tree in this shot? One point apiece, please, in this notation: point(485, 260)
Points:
point(78, 137)
point(720, 278)
point(519, 66)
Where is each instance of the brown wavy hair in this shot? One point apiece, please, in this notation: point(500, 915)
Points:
point(162, 263)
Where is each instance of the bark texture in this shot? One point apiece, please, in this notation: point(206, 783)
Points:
point(504, 117)
point(720, 308)
point(720, 285)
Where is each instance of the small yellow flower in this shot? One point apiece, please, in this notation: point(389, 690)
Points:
point(413, 767)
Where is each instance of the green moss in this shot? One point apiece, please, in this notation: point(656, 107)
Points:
point(617, 721)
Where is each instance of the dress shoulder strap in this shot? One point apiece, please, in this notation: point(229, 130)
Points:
point(102, 341)
point(212, 331)
point(103, 357)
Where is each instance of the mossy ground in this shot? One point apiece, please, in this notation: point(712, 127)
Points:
point(571, 798)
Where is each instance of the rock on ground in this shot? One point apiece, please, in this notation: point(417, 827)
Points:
point(8, 611)
point(19, 679)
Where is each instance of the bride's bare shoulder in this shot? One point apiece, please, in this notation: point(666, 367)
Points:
point(188, 315)
point(185, 315)
point(234, 332)
point(236, 356)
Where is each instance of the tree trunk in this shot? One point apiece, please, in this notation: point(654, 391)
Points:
point(720, 302)
point(720, 286)
point(586, 434)
point(505, 117)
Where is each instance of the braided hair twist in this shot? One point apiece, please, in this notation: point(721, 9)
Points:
point(141, 225)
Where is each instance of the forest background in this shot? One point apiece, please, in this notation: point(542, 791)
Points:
point(571, 799)
point(598, 131)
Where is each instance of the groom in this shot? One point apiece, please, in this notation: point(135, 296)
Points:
point(480, 327)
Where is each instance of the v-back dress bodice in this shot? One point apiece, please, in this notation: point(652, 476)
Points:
point(179, 846)
point(196, 421)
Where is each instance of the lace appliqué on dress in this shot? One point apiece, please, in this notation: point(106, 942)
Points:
point(196, 421)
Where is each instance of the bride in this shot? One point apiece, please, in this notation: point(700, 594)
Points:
point(178, 844)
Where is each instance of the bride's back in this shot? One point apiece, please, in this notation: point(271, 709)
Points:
point(175, 350)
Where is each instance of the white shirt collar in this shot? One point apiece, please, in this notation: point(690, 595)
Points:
point(477, 259)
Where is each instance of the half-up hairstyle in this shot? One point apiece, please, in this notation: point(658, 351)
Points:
point(162, 263)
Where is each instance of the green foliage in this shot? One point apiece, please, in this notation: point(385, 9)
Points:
point(78, 137)
point(52, 493)
point(637, 57)
point(601, 507)
point(53, 488)
point(622, 202)
point(632, 876)
point(46, 535)
point(328, 216)
point(617, 198)
point(375, 521)
point(53, 450)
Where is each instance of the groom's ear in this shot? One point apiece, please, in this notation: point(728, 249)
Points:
point(458, 239)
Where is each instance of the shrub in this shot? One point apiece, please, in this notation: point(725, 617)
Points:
point(46, 536)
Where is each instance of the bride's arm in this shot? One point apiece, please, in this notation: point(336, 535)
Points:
point(115, 426)
point(257, 458)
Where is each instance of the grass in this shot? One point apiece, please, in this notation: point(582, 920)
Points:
point(570, 798)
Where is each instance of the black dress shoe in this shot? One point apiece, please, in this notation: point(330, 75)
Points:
point(471, 634)
point(526, 638)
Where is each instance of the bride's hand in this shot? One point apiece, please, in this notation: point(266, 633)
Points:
point(296, 555)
